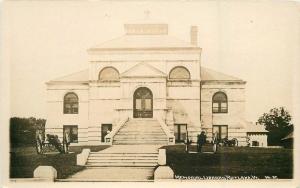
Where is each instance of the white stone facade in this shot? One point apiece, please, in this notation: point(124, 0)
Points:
point(144, 57)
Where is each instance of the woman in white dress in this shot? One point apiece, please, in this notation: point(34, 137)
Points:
point(215, 141)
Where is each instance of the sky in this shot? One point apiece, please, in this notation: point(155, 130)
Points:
point(258, 41)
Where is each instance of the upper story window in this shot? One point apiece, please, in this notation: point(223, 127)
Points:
point(109, 74)
point(71, 103)
point(180, 73)
point(219, 103)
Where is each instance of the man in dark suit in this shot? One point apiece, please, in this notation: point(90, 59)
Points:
point(201, 140)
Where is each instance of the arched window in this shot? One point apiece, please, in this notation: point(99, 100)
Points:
point(219, 103)
point(70, 103)
point(179, 73)
point(109, 74)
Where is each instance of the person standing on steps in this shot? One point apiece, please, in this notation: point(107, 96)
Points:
point(201, 140)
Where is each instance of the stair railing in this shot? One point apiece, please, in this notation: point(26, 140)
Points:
point(171, 138)
point(110, 136)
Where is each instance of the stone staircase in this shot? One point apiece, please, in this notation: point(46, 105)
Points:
point(133, 155)
point(141, 131)
point(120, 163)
point(113, 174)
point(122, 159)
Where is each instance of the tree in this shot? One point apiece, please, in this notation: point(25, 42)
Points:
point(278, 123)
point(23, 130)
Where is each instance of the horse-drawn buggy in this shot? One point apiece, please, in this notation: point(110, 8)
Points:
point(229, 142)
point(51, 143)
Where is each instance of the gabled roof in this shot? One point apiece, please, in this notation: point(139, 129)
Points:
point(81, 76)
point(211, 75)
point(255, 128)
point(144, 36)
point(143, 42)
point(143, 70)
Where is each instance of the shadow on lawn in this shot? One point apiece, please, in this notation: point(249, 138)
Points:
point(232, 161)
point(23, 161)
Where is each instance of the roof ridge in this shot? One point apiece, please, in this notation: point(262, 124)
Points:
point(71, 74)
point(220, 73)
point(107, 41)
point(143, 41)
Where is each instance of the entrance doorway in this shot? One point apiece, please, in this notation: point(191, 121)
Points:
point(143, 103)
point(180, 132)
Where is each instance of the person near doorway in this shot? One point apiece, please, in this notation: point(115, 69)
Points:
point(201, 140)
point(67, 141)
point(215, 141)
point(188, 142)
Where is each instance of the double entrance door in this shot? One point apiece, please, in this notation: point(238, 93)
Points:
point(143, 103)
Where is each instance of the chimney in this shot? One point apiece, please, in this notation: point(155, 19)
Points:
point(194, 35)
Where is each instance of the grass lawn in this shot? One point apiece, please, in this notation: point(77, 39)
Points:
point(23, 161)
point(232, 161)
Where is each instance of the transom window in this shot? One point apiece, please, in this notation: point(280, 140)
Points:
point(70, 103)
point(219, 103)
point(179, 73)
point(109, 74)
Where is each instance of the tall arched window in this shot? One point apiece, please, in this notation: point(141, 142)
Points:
point(179, 72)
point(71, 103)
point(109, 74)
point(219, 103)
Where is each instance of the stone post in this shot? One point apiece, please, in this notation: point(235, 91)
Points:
point(82, 157)
point(45, 172)
point(162, 158)
point(163, 172)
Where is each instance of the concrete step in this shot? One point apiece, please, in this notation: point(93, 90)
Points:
point(121, 164)
point(140, 133)
point(121, 161)
point(141, 139)
point(143, 124)
point(141, 128)
point(113, 174)
point(150, 130)
point(141, 143)
point(141, 153)
point(123, 157)
point(140, 136)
